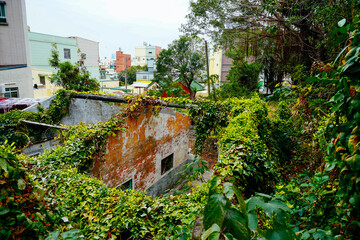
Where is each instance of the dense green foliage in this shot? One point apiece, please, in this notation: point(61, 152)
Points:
point(71, 76)
point(22, 207)
point(301, 148)
point(279, 34)
point(183, 61)
point(13, 131)
point(243, 80)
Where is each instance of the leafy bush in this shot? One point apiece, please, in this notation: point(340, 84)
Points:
point(22, 209)
point(71, 76)
point(245, 75)
point(13, 131)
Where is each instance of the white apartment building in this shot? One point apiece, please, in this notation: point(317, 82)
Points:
point(15, 66)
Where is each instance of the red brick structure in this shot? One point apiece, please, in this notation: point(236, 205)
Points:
point(149, 150)
point(123, 61)
point(157, 51)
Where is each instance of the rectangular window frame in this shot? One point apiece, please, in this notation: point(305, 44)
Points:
point(3, 13)
point(11, 92)
point(42, 80)
point(67, 53)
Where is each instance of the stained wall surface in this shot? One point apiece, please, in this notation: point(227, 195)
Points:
point(137, 153)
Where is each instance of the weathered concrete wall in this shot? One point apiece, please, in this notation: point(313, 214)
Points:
point(45, 103)
point(137, 153)
point(89, 111)
point(39, 148)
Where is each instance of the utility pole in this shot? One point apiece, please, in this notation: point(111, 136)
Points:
point(207, 67)
point(126, 77)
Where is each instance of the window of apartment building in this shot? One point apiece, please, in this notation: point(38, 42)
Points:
point(150, 52)
point(167, 163)
point(67, 53)
point(11, 92)
point(42, 80)
point(2, 13)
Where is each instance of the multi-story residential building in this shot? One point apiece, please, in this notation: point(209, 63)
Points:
point(226, 64)
point(123, 61)
point(143, 79)
point(15, 71)
point(215, 65)
point(145, 53)
point(41, 46)
point(89, 52)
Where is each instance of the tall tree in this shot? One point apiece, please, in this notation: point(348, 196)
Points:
point(183, 61)
point(282, 34)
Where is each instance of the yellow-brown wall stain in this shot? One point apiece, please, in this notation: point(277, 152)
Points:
point(137, 153)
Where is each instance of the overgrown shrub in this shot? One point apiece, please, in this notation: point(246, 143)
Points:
point(13, 131)
point(22, 208)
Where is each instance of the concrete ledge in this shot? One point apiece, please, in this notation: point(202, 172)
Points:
point(168, 180)
point(37, 149)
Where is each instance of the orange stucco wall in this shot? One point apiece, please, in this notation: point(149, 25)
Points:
point(137, 153)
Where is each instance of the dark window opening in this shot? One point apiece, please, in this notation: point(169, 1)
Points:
point(2, 13)
point(167, 163)
point(42, 80)
point(67, 53)
point(126, 185)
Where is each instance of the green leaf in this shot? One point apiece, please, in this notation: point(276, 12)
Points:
point(236, 223)
point(274, 206)
point(254, 202)
point(312, 79)
point(337, 106)
point(228, 190)
point(240, 199)
point(53, 236)
point(342, 22)
point(4, 210)
point(253, 221)
point(4, 164)
point(355, 200)
point(213, 229)
point(229, 236)
point(339, 97)
point(71, 235)
point(277, 234)
point(21, 184)
point(215, 210)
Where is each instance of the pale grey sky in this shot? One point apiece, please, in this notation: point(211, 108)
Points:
point(113, 23)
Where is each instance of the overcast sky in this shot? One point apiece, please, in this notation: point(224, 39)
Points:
point(112, 23)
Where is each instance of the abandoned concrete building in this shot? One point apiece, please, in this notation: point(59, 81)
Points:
point(146, 157)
